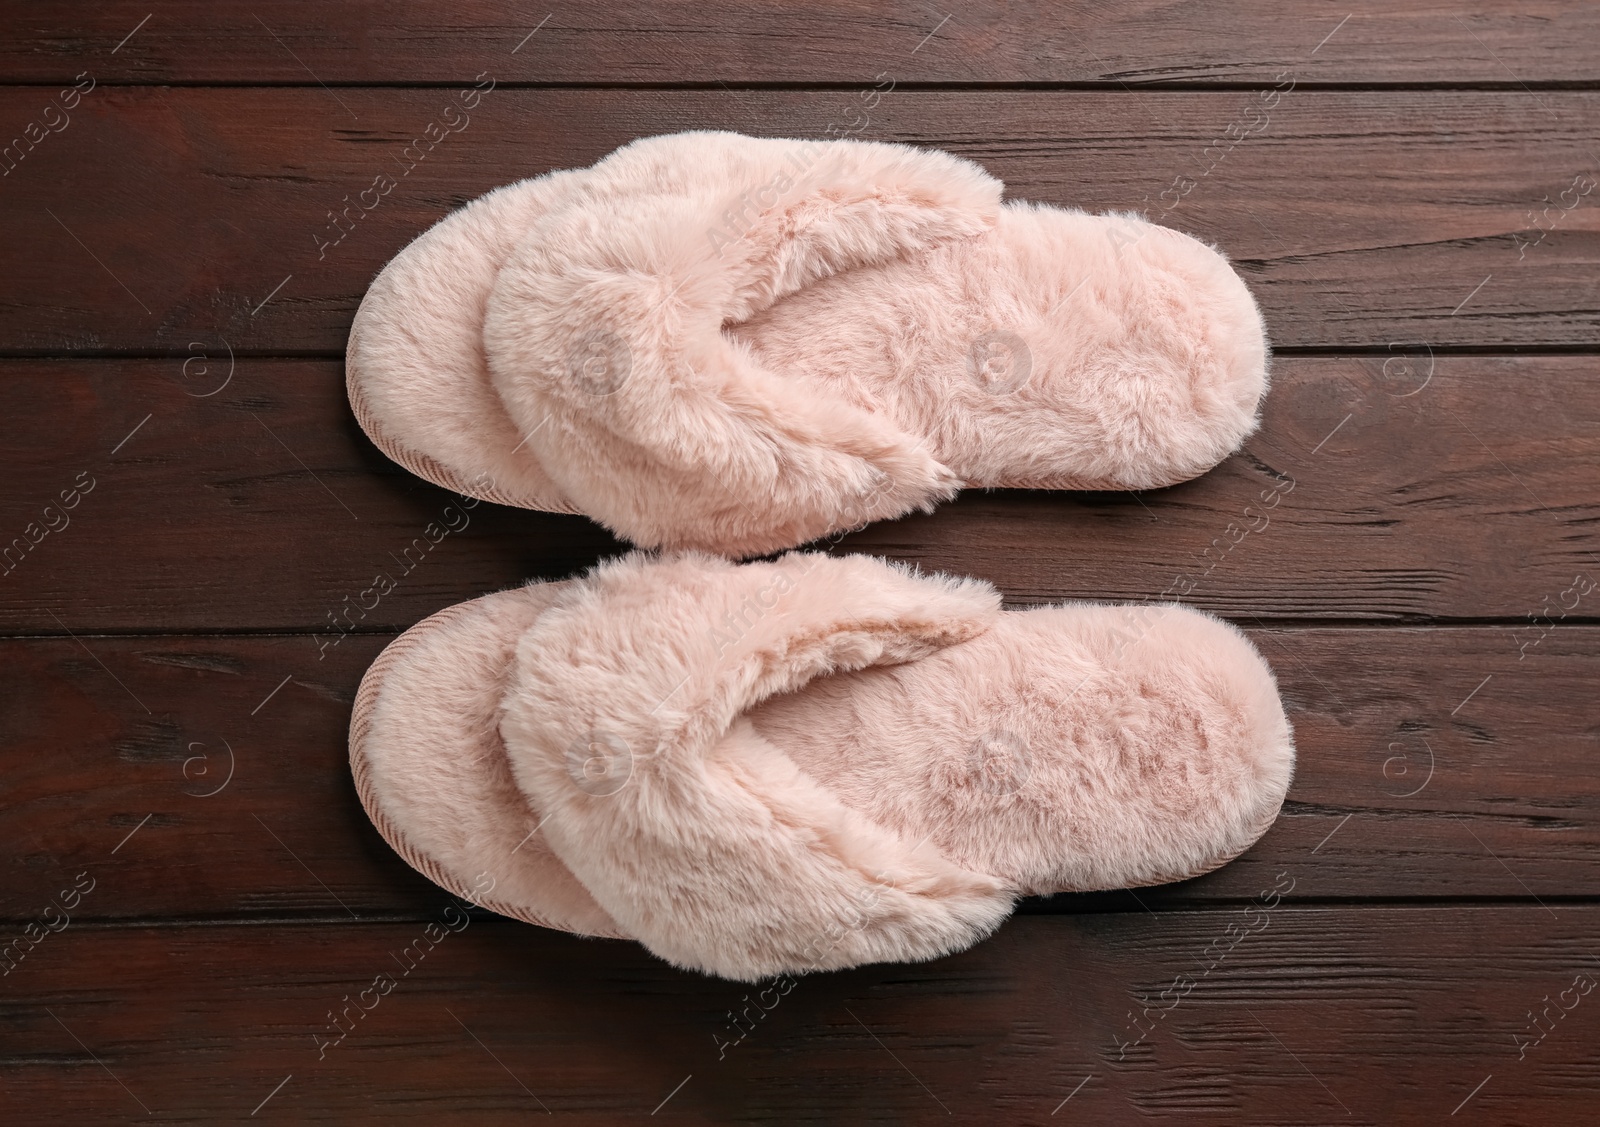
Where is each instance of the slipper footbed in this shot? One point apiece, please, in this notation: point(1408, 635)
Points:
point(1071, 748)
point(1058, 350)
point(432, 771)
point(415, 368)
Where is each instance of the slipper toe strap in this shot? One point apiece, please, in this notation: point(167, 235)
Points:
point(705, 841)
point(604, 336)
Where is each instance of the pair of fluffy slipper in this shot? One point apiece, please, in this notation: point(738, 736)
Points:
point(719, 344)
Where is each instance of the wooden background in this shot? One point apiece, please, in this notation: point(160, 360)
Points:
point(1418, 219)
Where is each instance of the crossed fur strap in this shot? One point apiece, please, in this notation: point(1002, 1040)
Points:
point(623, 725)
point(604, 335)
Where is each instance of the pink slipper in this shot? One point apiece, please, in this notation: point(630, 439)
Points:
point(812, 763)
point(714, 341)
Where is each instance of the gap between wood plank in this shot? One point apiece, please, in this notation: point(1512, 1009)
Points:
point(1032, 907)
point(1032, 86)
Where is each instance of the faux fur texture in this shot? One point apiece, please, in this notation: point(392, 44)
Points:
point(432, 772)
point(415, 368)
point(716, 341)
point(810, 763)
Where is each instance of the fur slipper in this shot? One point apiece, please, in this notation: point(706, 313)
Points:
point(810, 763)
point(720, 342)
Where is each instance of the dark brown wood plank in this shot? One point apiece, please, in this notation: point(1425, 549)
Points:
point(225, 759)
point(262, 506)
point(1377, 487)
point(229, 509)
point(1345, 1015)
point(293, 41)
point(158, 217)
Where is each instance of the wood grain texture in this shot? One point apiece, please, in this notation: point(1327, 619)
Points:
point(295, 41)
point(1410, 538)
point(1352, 1015)
point(225, 759)
point(157, 217)
point(1384, 487)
